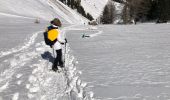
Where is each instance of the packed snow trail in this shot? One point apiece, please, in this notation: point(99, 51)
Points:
point(26, 74)
point(25, 61)
point(26, 46)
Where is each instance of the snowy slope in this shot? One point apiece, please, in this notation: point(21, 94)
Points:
point(125, 62)
point(44, 9)
point(25, 69)
point(25, 60)
point(68, 14)
point(94, 7)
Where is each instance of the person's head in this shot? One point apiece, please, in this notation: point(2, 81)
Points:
point(56, 22)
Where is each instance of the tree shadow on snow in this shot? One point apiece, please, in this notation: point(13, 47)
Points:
point(47, 56)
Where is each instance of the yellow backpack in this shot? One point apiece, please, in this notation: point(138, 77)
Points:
point(51, 35)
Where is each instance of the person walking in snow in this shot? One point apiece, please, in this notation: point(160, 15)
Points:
point(53, 38)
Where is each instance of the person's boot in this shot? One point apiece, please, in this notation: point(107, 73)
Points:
point(61, 65)
point(54, 68)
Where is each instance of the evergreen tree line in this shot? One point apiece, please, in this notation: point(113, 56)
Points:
point(138, 11)
point(108, 13)
point(76, 4)
point(146, 10)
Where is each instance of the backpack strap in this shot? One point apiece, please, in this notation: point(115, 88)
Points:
point(51, 27)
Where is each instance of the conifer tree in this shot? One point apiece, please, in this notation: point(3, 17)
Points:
point(164, 10)
point(68, 2)
point(108, 13)
point(89, 17)
point(72, 4)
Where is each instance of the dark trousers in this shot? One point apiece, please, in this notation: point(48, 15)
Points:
point(58, 60)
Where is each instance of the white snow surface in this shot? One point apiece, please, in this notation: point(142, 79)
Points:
point(26, 74)
point(125, 62)
point(25, 60)
point(94, 7)
point(42, 9)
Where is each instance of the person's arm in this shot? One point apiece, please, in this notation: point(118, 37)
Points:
point(60, 40)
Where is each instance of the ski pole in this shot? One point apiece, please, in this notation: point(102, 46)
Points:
point(65, 54)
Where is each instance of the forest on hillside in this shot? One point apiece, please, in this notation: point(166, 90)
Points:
point(138, 11)
point(76, 4)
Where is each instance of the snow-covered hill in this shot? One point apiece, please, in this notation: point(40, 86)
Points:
point(94, 7)
point(43, 9)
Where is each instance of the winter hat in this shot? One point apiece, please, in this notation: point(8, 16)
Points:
point(56, 22)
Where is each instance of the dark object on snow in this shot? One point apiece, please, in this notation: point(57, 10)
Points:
point(93, 22)
point(37, 21)
point(83, 36)
point(161, 21)
point(46, 39)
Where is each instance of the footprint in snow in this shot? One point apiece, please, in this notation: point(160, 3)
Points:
point(15, 96)
point(32, 79)
point(34, 89)
point(39, 49)
point(30, 96)
point(19, 82)
point(37, 44)
point(27, 86)
point(19, 75)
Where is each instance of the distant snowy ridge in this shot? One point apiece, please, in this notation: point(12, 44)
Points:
point(94, 7)
point(43, 9)
point(67, 13)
